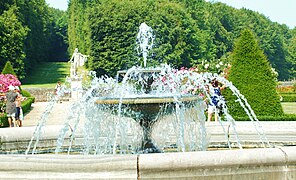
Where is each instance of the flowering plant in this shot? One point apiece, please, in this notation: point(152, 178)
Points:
point(184, 81)
point(219, 66)
point(6, 80)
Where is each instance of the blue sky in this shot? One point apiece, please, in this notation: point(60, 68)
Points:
point(281, 11)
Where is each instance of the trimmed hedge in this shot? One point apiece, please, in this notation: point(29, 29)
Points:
point(286, 117)
point(251, 73)
point(288, 97)
point(26, 105)
point(26, 93)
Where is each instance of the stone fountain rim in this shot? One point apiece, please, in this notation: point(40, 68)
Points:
point(141, 70)
point(148, 99)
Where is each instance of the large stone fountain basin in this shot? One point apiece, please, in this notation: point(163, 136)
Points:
point(268, 163)
point(148, 106)
point(146, 100)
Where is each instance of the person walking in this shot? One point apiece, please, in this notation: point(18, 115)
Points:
point(10, 106)
point(57, 91)
point(216, 96)
point(18, 104)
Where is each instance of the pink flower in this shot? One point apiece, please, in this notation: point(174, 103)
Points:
point(7, 80)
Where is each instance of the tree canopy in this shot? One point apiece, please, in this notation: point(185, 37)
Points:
point(30, 34)
point(187, 33)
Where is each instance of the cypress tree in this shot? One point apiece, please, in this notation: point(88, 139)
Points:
point(251, 73)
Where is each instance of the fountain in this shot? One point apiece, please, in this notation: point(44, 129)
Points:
point(150, 110)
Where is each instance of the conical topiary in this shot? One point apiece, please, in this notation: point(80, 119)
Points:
point(251, 73)
point(8, 69)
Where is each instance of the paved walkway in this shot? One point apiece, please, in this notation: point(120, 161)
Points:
point(56, 117)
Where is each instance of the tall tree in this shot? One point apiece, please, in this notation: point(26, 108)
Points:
point(12, 37)
point(58, 38)
point(35, 15)
point(188, 32)
point(251, 73)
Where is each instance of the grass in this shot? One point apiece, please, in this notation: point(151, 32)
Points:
point(46, 75)
point(289, 107)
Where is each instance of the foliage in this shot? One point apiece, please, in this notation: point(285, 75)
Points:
point(2, 104)
point(6, 80)
point(36, 17)
point(26, 105)
point(286, 117)
point(288, 97)
point(197, 32)
point(187, 34)
point(25, 93)
point(252, 75)
point(30, 33)
point(8, 69)
point(218, 66)
point(3, 121)
point(12, 38)
point(58, 35)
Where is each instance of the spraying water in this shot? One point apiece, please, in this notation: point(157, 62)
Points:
point(150, 110)
point(145, 40)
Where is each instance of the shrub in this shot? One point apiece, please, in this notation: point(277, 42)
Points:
point(286, 117)
point(3, 121)
point(288, 97)
point(252, 74)
point(8, 69)
point(26, 93)
point(26, 105)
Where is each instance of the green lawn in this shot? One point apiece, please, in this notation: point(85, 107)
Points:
point(289, 107)
point(47, 74)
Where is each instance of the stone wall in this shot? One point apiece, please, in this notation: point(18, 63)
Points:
point(44, 94)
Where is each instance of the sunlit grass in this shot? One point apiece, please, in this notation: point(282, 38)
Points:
point(46, 75)
point(289, 107)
